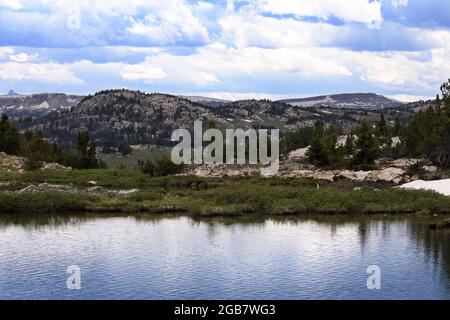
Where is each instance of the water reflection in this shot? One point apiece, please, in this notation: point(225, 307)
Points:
point(230, 257)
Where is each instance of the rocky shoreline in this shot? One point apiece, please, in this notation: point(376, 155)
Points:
point(392, 171)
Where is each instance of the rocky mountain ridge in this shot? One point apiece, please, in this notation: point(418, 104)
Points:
point(368, 101)
point(123, 116)
point(36, 105)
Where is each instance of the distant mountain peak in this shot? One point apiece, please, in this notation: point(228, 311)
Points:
point(12, 93)
point(346, 101)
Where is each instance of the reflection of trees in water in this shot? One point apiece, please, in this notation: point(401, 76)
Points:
point(38, 221)
point(436, 245)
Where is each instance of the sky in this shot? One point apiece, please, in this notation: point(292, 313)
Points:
point(229, 49)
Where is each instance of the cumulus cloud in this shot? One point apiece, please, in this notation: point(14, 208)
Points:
point(11, 4)
point(260, 47)
point(399, 3)
point(66, 23)
point(23, 57)
point(216, 63)
point(361, 11)
point(254, 30)
point(43, 72)
point(143, 72)
point(171, 24)
point(203, 5)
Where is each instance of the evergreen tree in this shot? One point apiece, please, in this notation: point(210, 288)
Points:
point(382, 131)
point(366, 146)
point(428, 134)
point(397, 127)
point(349, 145)
point(87, 155)
point(322, 150)
point(9, 137)
point(36, 150)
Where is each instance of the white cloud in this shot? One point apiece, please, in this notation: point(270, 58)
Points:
point(173, 21)
point(216, 62)
point(362, 11)
point(254, 30)
point(12, 4)
point(234, 96)
point(23, 57)
point(399, 3)
point(65, 23)
point(147, 73)
point(5, 52)
point(203, 5)
point(409, 98)
point(44, 72)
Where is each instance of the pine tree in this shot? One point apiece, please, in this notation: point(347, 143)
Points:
point(322, 151)
point(428, 134)
point(9, 137)
point(87, 155)
point(349, 145)
point(382, 130)
point(397, 127)
point(366, 146)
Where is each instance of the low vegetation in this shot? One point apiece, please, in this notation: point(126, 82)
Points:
point(201, 196)
point(37, 150)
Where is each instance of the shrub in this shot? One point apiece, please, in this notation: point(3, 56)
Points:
point(161, 167)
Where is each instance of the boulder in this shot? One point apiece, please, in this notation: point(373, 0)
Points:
point(403, 163)
point(96, 189)
point(11, 163)
point(324, 175)
point(44, 187)
point(54, 166)
point(353, 175)
point(395, 141)
point(430, 168)
point(111, 193)
point(298, 154)
point(388, 175)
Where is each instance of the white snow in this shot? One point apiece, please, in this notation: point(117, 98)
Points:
point(441, 186)
point(311, 103)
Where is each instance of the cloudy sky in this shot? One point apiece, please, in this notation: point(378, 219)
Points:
point(228, 49)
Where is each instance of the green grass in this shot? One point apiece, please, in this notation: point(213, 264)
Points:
point(44, 202)
point(204, 197)
point(130, 162)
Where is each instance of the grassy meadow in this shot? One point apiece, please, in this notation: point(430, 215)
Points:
point(210, 197)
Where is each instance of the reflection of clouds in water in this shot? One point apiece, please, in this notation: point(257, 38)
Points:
point(149, 256)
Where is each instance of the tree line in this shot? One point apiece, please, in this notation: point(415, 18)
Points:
point(426, 136)
point(37, 150)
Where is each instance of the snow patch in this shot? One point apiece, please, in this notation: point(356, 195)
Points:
point(440, 186)
point(311, 103)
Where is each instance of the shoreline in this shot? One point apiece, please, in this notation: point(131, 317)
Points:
point(131, 192)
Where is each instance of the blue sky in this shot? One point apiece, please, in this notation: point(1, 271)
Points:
point(225, 48)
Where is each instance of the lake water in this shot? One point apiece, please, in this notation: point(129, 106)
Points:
point(148, 257)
